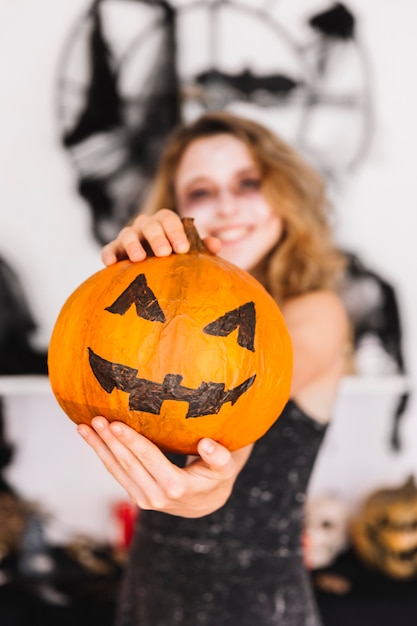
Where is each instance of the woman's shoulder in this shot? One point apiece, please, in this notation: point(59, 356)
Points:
point(319, 329)
point(318, 324)
point(321, 305)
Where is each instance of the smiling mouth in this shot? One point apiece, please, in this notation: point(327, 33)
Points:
point(233, 234)
point(146, 395)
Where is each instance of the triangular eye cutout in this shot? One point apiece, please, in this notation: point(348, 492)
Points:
point(244, 318)
point(139, 294)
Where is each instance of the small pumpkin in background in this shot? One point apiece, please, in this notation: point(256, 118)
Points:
point(179, 347)
point(384, 531)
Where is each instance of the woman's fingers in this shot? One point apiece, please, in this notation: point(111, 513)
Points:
point(120, 462)
point(152, 231)
point(163, 233)
point(108, 254)
point(157, 466)
point(173, 231)
point(216, 461)
point(213, 244)
point(137, 464)
point(125, 246)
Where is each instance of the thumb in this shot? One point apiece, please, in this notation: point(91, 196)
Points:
point(217, 457)
point(213, 244)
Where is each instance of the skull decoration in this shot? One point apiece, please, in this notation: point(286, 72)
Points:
point(384, 532)
point(179, 347)
point(326, 530)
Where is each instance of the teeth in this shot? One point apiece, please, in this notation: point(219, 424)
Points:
point(232, 234)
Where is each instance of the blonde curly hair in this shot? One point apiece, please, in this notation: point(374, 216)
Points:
point(305, 258)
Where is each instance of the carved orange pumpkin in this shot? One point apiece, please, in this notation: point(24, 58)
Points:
point(384, 532)
point(179, 347)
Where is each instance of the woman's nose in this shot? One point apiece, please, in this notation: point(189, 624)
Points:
point(227, 202)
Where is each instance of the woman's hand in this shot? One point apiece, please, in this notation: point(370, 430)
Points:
point(153, 482)
point(162, 232)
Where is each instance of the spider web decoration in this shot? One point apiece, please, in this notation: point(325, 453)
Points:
point(113, 138)
point(132, 69)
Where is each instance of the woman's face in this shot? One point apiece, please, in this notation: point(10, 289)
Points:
point(219, 185)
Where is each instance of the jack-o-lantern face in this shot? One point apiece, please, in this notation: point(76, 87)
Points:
point(179, 348)
point(147, 395)
point(384, 533)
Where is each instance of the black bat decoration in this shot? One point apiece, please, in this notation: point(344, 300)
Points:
point(248, 83)
point(146, 395)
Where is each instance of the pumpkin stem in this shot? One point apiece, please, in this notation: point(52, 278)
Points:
point(196, 243)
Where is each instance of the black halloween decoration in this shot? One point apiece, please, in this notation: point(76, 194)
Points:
point(6, 454)
point(139, 81)
point(373, 309)
point(115, 143)
point(17, 324)
point(337, 22)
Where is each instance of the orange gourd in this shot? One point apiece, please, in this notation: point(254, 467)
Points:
point(179, 347)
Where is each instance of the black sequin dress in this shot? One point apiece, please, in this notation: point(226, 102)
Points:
point(242, 565)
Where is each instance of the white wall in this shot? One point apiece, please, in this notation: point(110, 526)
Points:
point(44, 234)
point(55, 469)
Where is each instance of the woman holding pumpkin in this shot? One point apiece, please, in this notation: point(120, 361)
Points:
point(218, 537)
